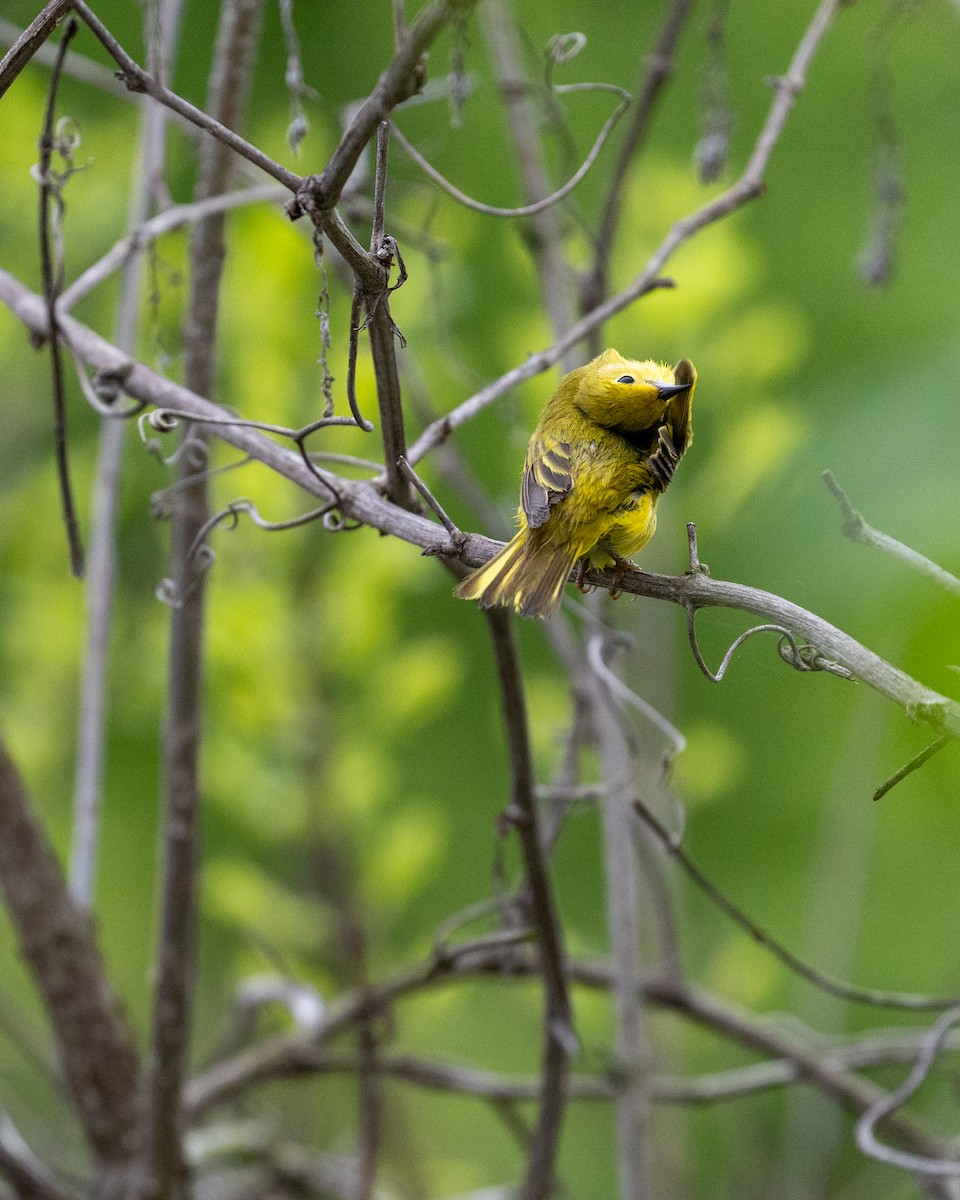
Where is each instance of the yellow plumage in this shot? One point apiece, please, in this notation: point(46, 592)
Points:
point(604, 450)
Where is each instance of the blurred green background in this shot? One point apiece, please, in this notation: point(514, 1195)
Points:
point(353, 762)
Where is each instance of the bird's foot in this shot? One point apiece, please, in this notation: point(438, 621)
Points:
point(622, 567)
point(583, 587)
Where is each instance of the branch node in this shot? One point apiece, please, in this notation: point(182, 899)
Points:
point(310, 199)
point(852, 523)
point(134, 80)
point(696, 567)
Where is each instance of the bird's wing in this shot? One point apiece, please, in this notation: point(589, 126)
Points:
point(547, 478)
point(663, 461)
point(673, 439)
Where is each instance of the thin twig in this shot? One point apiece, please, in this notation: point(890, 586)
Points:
point(820, 979)
point(455, 533)
point(148, 231)
point(52, 273)
point(908, 768)
point(30, 1178)
point(559, 1039)
point(857, 530)
point(138, 80)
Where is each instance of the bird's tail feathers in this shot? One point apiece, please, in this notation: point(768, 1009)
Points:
point(528, 576)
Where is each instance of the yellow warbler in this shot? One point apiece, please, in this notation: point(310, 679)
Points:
point(605, 448)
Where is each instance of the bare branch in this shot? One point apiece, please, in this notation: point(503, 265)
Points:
point(559, 1038)
point(633, 1054)
point(29, 1177)
point(75, 66)
point(92, 718)
point(402, 78)
point(306, 1058)
point(360, 501)
point(30, 41)
point(794, 1060)
point(138, 80)
point(56, 937)
point(164, 1166)
point(52, 273)
point(857, 530)
point(820, 979)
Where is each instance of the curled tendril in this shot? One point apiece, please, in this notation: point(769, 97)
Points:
point(802, 657)
point(193, 453)
point(166, 593)
point(232, 513)
point(160, 419)
point(153, 445)
point(170, 594)
point(867, 1140)
point(66, 137)
point(806, 657)
point(563, 47)
point(334, 521)
point(105, 388)
point(167, 590)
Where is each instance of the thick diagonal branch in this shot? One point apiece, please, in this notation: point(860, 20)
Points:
point(30, 41)
point(362, 502)
point(57, 939)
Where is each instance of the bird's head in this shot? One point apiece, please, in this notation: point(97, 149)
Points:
point(621, 393)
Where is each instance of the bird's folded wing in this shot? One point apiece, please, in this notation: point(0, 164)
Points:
point(547, 478)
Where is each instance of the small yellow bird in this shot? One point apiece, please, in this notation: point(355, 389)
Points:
point(605, 448)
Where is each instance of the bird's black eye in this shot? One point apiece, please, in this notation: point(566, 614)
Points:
point(626, 379)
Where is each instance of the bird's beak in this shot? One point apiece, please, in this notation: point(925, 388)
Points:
point(666, 390)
